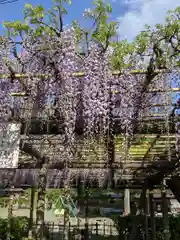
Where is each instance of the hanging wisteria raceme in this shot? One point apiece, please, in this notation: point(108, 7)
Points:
point(97, 87)
point(5, 83)
point(59, 62)
point(66, 93)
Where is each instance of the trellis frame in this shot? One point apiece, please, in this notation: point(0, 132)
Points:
point(81, 74)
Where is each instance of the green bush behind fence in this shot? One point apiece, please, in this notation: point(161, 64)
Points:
point(19, 227)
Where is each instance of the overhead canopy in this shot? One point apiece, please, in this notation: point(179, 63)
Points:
point(144, 150)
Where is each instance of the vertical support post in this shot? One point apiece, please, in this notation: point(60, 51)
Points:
point(41, 203)
point(10, 215)
point(146, 214)
point(80, 195)
point(152, 216)
point(126, 191)
point(66, 212)
point(110, 142)
point(166, 232)
point(31, 215)
point(127, 208)
point(111, 157)
point(86, 213)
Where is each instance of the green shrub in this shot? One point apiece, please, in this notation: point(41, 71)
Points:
point(19, 228)
point(126, 223)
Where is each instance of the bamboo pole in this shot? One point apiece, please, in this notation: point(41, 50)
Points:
point(18, 94)
point(24, 94)
point(82, 74)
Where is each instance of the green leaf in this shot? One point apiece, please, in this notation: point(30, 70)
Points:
point(109, 8)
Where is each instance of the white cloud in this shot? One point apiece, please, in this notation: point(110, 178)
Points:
point(141, 12)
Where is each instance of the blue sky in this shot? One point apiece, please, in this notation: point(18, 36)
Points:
point(13, 11)
point(131, 14)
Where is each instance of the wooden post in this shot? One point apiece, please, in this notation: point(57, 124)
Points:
point(152, 216)
point(41, 203)
point(127, 200)
point(31, 215)
point(10, 215)
point(166, 232)
point(146, 214)
point(86, 213)
point(80, 193)
point(110, 143)
point(127, 208)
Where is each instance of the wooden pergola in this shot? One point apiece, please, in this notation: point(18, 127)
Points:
point(151, 158)
point(146, 151)
point(150, 142)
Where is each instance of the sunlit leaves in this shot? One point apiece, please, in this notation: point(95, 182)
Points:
point(122, 51)
point(142, 41)
point(35, 14)
point(16, 28)
point(78, 31)
point(160, 42)
point(102, 30)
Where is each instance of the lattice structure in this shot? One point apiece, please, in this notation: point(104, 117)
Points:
point(144, 148)
point(97, 119)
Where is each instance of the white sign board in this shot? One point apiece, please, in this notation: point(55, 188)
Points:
point(175, 206)
point(9, 144)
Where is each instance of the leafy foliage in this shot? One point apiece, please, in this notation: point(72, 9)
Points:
point(124, 226)
point(19, 228)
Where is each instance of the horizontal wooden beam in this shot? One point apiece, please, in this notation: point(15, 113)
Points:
point(18, 178)
point(81, 74)
point(118, 136)
point(22, 75)
point(23, 94)
point(18, 94)
point(154, 90)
